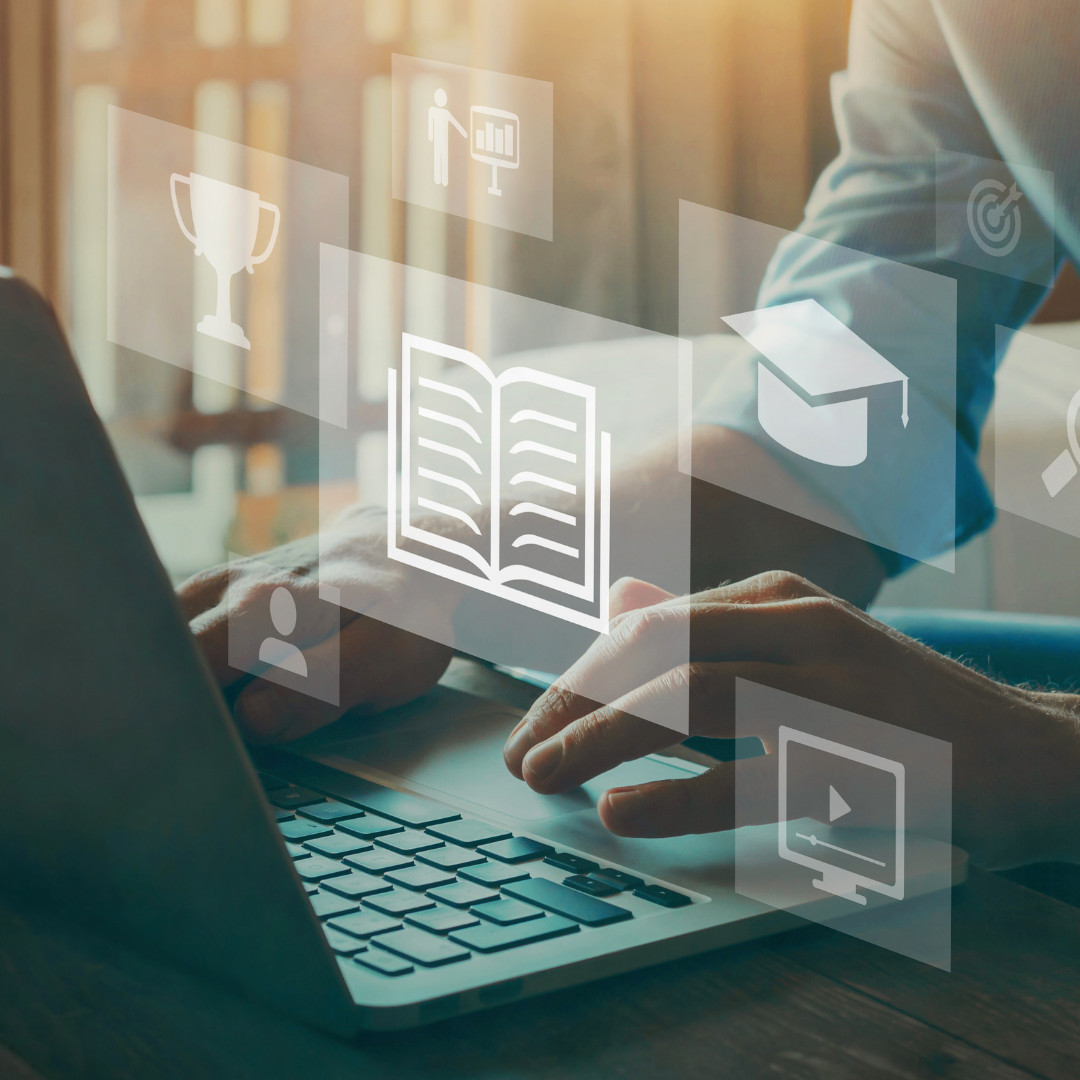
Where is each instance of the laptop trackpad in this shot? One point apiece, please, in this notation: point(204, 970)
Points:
point(451, 744)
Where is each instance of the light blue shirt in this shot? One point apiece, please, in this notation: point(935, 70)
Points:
point(991, 78)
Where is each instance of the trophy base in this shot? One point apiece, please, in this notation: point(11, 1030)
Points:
point(223, 330)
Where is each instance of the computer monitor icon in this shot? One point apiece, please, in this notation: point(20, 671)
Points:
point(494, 139)
point(844, 868)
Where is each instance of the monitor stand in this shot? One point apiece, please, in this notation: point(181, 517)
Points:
point(839, 883)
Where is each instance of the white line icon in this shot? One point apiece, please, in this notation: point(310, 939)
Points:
point(495, 140)
point(445, 448)
point(993, 220)
point(1063, 468)
point(438, 132)
point(839, 880)
point(819, 356)
point(275, 651)
point(226, 220)
point(813, 841)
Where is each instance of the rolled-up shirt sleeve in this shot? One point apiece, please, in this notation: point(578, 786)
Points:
point(901, 99)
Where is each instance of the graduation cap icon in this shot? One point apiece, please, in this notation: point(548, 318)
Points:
point(816, 356)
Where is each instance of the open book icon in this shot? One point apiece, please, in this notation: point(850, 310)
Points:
point(498, 481)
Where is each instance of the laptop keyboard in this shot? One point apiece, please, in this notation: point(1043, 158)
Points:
point(402, 884)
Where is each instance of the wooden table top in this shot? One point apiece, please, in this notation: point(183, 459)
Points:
point(809, 1003)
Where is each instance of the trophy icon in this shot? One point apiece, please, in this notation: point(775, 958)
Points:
point(226, 220)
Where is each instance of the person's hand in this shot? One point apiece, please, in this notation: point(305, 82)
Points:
point(380, 665)
point(1016, 753)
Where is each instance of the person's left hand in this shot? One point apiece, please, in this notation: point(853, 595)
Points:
point(1016, 753)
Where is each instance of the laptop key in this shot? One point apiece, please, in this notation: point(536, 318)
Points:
point(563, 901)
point(343, 944)
point(591, 886)
point(489, 937)
point(356, 885)
point(367, 828)
point(384, 962)
point(421, 948)
point(419, 813)
point(623, 881)
point(378, 861)
point(327, 905)
point(399, 902)
point(317, 867)
point(292, 797)
point(365, 924)
point(450, 858)
point(299, 831)
point(515, 850)
point(296, 851)
point(330, 813)
point(575, 864)
point(419, 877)
point(408, 842)
point(664, 897)
point(440, 920)
point(469, 833)
point(338, 845)
point(310, 887)
point(462, 894)
point(506, 912)
point(283, 815)
point(492, 874)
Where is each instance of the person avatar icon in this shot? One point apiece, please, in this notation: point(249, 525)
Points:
point(439, 119)
point(274, 651)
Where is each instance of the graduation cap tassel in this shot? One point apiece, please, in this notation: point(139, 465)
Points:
point(904, 415)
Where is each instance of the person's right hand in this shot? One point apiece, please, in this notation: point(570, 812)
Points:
point(380, 665)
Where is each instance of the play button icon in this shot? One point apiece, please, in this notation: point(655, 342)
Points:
point(837, 806)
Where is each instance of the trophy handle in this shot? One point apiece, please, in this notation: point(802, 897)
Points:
point(176, 207)
point(273, 237)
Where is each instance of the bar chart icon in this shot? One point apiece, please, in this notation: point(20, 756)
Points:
point(494, 139)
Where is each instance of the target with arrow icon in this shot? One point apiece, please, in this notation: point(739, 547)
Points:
point(993, 216)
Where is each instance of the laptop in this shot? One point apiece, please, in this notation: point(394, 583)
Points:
point(382, 873)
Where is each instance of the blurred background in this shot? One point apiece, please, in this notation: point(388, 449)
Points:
point(720, 102)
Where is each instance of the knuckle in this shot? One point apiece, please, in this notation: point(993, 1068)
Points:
point(557, 702)
point(644, 626)
point(629, 629)
point(697, 680)
point(197, 582)
point(828, 610)
point(787, 585)
point(590, 729)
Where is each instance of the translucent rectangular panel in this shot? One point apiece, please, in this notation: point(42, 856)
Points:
point(510, 450)
point(846, 821)
point(474, 143)
point(213, 247)
point(839, 364)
